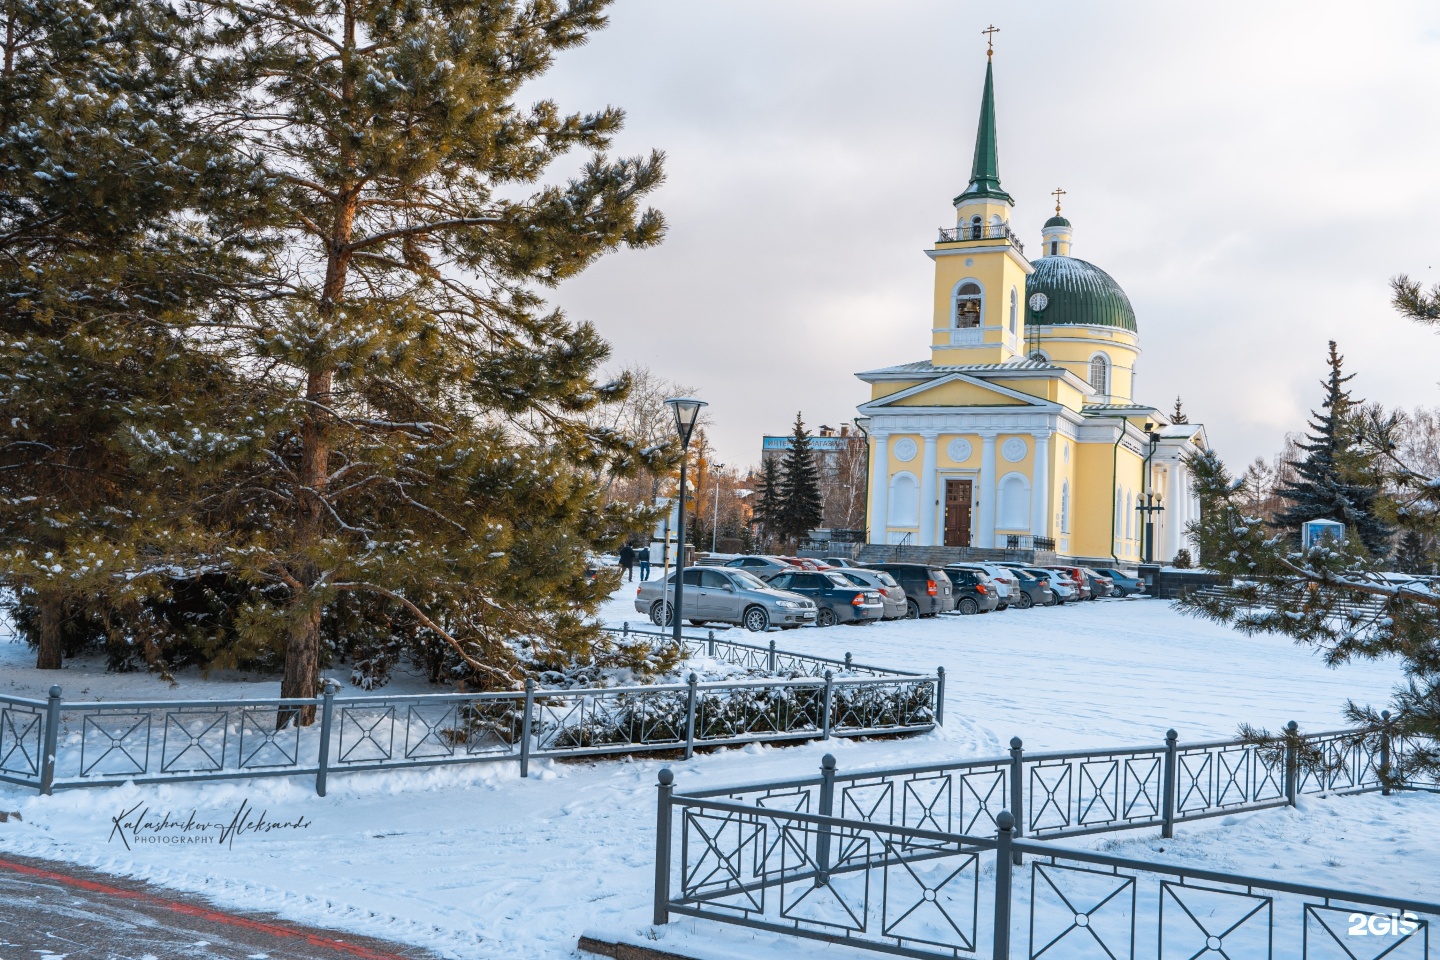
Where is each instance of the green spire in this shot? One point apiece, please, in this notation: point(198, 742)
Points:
point(985, 171)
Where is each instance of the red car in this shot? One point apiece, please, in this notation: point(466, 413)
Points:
point(1077, 579)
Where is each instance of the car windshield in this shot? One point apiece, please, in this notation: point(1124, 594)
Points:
point(838, 580)
point(886, 579)
point(748, 580)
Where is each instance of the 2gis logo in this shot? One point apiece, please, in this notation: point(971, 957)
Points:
point(1383, 924)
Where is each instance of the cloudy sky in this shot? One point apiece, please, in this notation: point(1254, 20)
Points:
point(1251, 174)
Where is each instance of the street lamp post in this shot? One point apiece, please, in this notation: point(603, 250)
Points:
point(1151, 504)
point(687, 411)
point(715, 514)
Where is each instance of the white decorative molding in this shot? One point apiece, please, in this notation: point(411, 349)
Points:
point(966, 336)
point(1014, 449)
point(905, 449)
point(959, 450)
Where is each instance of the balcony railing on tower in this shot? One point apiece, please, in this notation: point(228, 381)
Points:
point(980, 231)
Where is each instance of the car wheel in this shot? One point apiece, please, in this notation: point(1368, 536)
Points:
point(757, 620)
point(1003, 606)
point(1054, 601)
point(968, 606)
point(1024, 601)
point(912, 610)
point(697, 623)
point(826, 618)
point(660, 613)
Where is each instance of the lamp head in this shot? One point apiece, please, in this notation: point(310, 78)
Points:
point(687, 411)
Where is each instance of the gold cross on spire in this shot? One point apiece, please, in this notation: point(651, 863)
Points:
point(1057, 193)
point(990, 32)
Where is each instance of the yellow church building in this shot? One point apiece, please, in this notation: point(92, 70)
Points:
point(1021, 431)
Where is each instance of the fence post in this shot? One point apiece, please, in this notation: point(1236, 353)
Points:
point(1292, 764)
point(827, 809)
point(690, 694)
point(1172, 774)
point(625, 629)
point(849, 662)
point(939, 696)
point(525, 726)
point(829, 705)
point(1385, 753)
point(327, 707)
point(772, 657)
point(1004, 852)
point(710, 646)
point(662, 846)
point(52, 737)
point(1017, 790)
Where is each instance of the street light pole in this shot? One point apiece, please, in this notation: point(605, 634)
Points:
point(687, 411)
point(715, 516)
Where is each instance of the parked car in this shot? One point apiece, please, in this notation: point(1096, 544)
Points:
point(805, 563)
point(892, 595)
point(840, 563)
point(1077, 580)
point(838, 600)
point(1005, 579)
point(1059, 583)
point(720, 595)
point(1100, 585)
point(1034, 590)
point(1125, 585)
point(928, 591)
point(975, 592)
point(761, 566)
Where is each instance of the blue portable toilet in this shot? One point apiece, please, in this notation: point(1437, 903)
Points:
point(1313, 531)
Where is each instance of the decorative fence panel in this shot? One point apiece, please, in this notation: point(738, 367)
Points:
point(926, 863)
point(52, 744)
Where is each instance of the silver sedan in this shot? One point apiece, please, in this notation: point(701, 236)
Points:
point(723, 595)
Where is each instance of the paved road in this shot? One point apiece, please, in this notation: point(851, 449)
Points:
point(50, 910)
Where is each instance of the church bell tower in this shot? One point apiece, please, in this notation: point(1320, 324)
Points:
point(980, 266)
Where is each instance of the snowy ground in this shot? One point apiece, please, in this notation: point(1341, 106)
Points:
point(479, 863)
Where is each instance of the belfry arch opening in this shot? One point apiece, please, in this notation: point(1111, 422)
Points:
point(968, 300)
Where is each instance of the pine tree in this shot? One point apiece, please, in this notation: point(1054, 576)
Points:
point(1331, 480)
point(1179, 415)
point(801, 506)
point(1413, 555)
point(427, 453)
point(766, 511)
point(111, 191)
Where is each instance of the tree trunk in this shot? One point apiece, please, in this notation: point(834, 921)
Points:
point(52, 619)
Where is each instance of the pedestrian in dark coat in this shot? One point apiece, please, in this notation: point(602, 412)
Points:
point(642, 556)
point(627, 561)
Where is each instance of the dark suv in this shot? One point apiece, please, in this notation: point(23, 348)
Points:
point(928, 591)
point(975, 592)
point(838, 600)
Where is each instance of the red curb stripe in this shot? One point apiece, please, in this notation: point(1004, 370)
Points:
point(189, 910)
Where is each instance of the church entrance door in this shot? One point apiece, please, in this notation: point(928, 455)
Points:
point(957, 512)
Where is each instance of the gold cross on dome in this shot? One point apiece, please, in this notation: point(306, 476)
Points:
point(990, 32)
point(1057, 193)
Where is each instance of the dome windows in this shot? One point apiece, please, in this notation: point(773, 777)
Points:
point(1100, 374)
point(1054, 247)
point(977, 228)
point(969, 299)
point(1014, 311)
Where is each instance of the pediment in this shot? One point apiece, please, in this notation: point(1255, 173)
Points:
point(956, 390)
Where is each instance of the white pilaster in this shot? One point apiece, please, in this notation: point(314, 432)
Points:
point(927, 492)
point(1174, 510)
point(880, 489)
point(986, 493)
point(1040, 486)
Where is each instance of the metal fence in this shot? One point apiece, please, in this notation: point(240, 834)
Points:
point(926, 862)
point(53, 744)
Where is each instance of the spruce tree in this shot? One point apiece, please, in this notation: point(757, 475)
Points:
point(801, 506)
point(427, 451)
point(1330, 480)
point(766, 511)
point(1413, 556)
point(1178, 416)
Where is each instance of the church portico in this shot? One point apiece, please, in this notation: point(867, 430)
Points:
point(1021, 428)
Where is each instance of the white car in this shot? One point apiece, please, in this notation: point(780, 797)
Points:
point(1064, 590)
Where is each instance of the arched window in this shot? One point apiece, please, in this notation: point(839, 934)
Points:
point(1100, 374)
point(1065, 507)
point(1014, 502)
point(1040, 356)
point(1054, 247)
point(967, 305)
point(977, 228)
point(904, 500)
point(1119, 514)
point(1014, 311)
point(1130, 498)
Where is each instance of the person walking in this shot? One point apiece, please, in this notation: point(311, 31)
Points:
point(627, 561)
point(642, 556)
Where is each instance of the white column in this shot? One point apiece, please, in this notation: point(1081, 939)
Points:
point(880, 489)
point(927, 492)
point(1040, 487)
point(1174, 511)
point(986, 492)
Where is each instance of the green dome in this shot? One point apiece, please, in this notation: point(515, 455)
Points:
point(1057, 221)
point(1079, 292)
